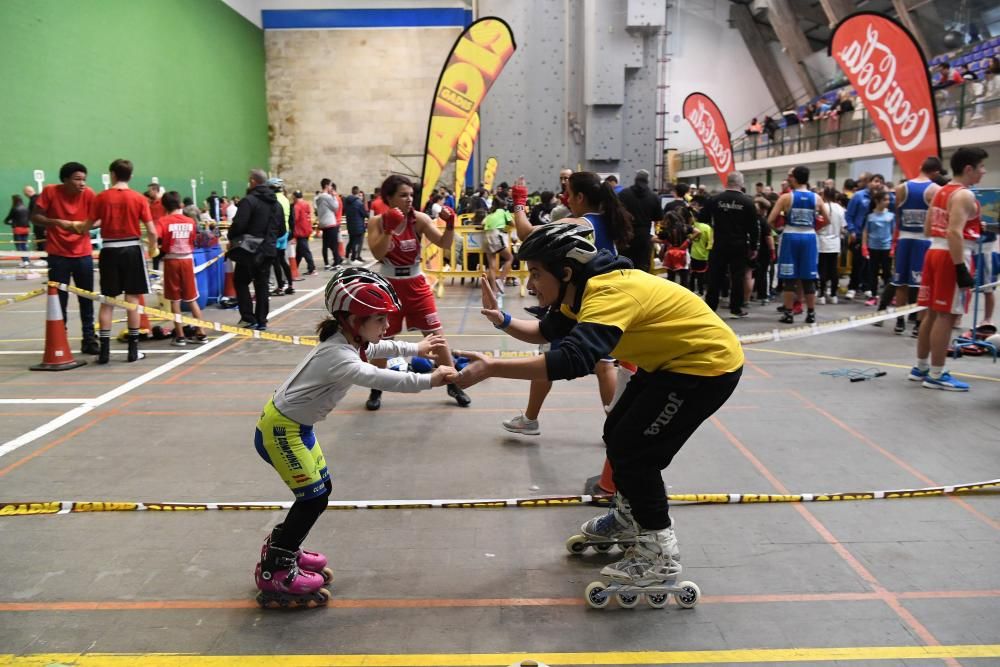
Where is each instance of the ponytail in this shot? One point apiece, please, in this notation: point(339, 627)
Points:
point(618, 218)
point(602, 197)
point(327, 328)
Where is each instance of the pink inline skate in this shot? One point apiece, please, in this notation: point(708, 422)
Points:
point(310, 561)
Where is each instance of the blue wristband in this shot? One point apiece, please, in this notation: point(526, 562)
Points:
point(506, 321)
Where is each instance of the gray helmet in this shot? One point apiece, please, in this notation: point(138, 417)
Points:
point(557, 242)
point(275, 183)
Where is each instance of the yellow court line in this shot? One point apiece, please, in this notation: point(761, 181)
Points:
point(863, 361)
point(503, 659)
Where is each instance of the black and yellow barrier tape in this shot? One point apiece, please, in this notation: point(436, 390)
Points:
point(18, 508)
point(23, 297)
point(310, 341)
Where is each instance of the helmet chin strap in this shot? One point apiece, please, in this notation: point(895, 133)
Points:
point(355, 336)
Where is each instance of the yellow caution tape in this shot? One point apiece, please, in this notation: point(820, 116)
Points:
point(177, 318)
point(23, 297)
point(16, 508)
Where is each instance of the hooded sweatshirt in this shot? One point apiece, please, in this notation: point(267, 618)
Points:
point(260, 215)
point(629, 314)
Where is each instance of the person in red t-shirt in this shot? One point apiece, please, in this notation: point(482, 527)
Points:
point(179, 233)
point(302, 214)
point(57, 209)
point(120, 213)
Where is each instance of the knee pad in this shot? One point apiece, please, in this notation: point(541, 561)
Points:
point(808, 286)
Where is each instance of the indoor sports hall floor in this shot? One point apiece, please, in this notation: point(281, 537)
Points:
point(880, 582)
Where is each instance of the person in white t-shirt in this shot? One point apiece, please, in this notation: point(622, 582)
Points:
point(828, 241)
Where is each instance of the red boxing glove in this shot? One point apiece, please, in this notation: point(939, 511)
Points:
point(864, 251)
point(519, 195)
point(448, 215)
point(779, 222)
point(392, 219)
point(821, 221)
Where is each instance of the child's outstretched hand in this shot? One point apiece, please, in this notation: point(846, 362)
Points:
point(443, 375)
point(490, 309)
point(431, 345)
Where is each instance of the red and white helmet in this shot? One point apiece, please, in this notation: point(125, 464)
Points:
point(360, 292)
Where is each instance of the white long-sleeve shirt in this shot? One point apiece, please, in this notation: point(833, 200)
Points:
point(331, 368)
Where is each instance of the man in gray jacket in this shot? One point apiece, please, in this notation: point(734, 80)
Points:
point(328, 216)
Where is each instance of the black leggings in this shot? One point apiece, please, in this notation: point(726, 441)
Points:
point(300, 519)
point(829, 272)
point(282, 270)
point(879, 262)
point(652, 420)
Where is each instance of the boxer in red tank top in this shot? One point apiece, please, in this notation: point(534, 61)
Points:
point(394, 237)
point(953, 225)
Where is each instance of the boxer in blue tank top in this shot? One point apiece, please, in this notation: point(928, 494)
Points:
point(798, 257)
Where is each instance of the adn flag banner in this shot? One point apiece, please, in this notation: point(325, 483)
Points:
point(463, 153)
point(475, 62)
point(490, 173)
point(887, 69)
point(707, 121)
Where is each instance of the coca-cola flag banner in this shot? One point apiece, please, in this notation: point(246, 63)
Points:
point(707, 121)
point(475, 62)
point(887, 69)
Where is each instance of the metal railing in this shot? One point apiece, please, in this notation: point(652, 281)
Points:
point(958, 107)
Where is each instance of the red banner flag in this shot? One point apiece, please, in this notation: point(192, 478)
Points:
point(887, 69)
point(707, 121)
point(475, 62)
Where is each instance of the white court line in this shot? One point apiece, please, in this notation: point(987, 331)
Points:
point(178, 351)
point(40, 401)
point(92, 404)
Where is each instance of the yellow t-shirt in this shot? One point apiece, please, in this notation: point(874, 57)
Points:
point(666, 327)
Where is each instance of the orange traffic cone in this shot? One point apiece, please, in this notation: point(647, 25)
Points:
point(228, 288)
point(292, 261)
point(58, 356)
point(144, 325)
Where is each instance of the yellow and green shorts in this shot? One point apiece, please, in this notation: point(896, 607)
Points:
point(292, 450)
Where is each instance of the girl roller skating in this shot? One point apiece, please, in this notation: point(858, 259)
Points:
point(359, 303)
point(689, 363)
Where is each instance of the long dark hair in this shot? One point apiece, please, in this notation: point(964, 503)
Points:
point(328, 328)
point(602, 196)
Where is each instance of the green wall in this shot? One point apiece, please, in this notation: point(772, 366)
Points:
point(176, 86)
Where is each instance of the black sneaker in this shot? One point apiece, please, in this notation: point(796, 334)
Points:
point(900, 326)
point(787, 318)
point(374, 401)
point(460, 396)
point(133, 351)
point(289, 290)
point(811, 317)
point(739, 315)
point(90, 346)
point(104, 352)
point(916, 329)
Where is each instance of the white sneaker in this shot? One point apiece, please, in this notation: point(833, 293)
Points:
point(868, 294)
point(833, 301)
point(850, 295)
point(523, 425)
point(821, 300)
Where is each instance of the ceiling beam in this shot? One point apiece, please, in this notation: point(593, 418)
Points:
point(763, 58)
point(837, 10)
point(786, 26)
point(903, 9)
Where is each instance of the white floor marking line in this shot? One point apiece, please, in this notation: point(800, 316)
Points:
point(43, 401)
point(92, 404)
point(41, 352)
